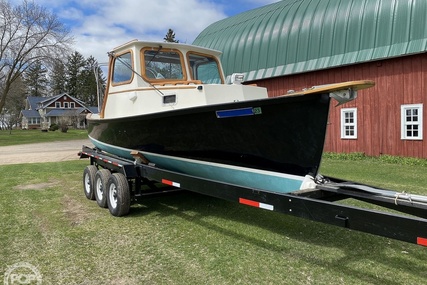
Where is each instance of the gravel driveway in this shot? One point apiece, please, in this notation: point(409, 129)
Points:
point(42, 152)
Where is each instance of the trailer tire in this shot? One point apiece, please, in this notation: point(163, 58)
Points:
point(88, 181)
point(118, 195)
point(101, 180)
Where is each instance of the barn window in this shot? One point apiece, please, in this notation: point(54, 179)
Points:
point(349, 123)
point(411, 122)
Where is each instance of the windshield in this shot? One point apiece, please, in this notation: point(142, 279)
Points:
point(160, 64)
point(204, 68)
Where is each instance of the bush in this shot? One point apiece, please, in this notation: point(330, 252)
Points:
point(53, 127)
point(411, 161)
point(353, 156)
point(385, 158)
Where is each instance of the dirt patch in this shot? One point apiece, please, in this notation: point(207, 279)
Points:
point(73, 210)
point(38, 186)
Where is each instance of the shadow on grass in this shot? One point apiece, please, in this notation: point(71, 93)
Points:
point(357, 247)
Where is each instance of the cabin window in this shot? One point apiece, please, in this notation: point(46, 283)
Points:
point(349, 123)
point(57, 104)
point(66, 105)
point(411, 122)
point(72, 105)
point(122, 71)
point(162, 64)
point(204, 68)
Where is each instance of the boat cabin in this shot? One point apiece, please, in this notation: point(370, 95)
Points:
point(150, 77)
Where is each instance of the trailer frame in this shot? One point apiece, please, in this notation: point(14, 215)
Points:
point(317, 204)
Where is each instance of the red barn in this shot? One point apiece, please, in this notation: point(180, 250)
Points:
point(295, 44)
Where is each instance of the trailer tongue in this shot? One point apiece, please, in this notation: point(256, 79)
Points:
point(115, 182)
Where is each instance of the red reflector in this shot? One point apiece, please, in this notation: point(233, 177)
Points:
point(171, 183)
point(249, 202)
point(167, 182)
point(422, 241)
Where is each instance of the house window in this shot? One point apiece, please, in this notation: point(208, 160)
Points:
point(349, 123)
point(34, 121)
point(57, 104)
point(72, 105)
point(411, 122)
point(66, 105)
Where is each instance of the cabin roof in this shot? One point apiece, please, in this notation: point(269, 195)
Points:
point(135, 44)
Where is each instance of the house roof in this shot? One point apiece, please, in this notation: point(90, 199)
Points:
point(48, 100)
point(294, 36)
point(33, 101)
point(42, 102)
point(30, 114)
point(62, 112)
point(94, 110)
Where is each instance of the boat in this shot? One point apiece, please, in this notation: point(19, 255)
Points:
point(171, 104)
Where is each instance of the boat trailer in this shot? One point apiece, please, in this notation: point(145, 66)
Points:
point(115, 183)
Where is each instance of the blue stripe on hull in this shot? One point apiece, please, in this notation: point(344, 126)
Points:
point(247, 177)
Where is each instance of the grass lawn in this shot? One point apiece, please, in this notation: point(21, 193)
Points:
point(36, 136)
point(192, 239)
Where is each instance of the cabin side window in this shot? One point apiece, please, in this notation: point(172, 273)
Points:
point(163, 65)
point(122, 71)
point(204, 68)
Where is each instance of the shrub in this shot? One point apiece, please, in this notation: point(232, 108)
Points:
point(345, 156)
point(385, 158)
point(53, 127)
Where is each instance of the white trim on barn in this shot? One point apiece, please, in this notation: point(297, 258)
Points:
point(411, 116)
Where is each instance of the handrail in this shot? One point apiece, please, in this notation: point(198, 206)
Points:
point(184, 82)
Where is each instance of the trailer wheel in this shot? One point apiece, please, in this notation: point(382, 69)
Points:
point(101, 179)
point(118, 195)
point(88, 181)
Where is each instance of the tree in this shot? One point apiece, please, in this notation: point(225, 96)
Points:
point(28, 33)
point(89, 84)
point(11, 113)
point(73, 70)
point(80, 78)
point(57, 78)
point(35, 79)
point(170, 37)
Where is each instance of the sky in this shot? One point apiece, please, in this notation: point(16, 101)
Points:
point(100, 25)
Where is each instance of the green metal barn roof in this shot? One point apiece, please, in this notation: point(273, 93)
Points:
point(294, 36)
